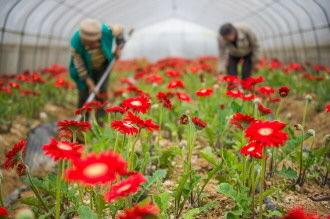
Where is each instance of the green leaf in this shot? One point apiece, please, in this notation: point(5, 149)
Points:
point(31, 201)
point(86, 213)
point(157, 176)
point(162, 200)
point(288, 173)
point(209, 156)
point(190, 214)
point(235, 107)
point(228, 190)
point(167, 155)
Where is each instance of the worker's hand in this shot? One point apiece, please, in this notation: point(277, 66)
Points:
point(91, 85)
point(118, 53)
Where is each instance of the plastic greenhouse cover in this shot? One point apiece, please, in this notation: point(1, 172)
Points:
point(266, 17)
point(172, 37)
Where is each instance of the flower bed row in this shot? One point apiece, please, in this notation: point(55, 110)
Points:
point(118, 169)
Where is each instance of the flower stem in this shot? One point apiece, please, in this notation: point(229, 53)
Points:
point(302, 144)
point(131, 155)
point(1, 198)
point(58, 190)
point(262, 179)
point(36, 191)
point(116, 142)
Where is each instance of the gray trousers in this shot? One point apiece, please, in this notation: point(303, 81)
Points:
point(83, 94)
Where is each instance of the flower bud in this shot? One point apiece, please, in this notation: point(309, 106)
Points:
point(256, 100)
point(283, 91)
point(311, 132)
point(326, 138)
point(24, 213)
point(184, 119)
point(298, 127)
point(308, 97)
point(183, 144)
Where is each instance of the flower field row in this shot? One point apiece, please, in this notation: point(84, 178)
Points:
point(25, 94)
point(162, 119)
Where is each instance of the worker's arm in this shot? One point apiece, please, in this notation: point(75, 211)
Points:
point(223, 55)
point(117, 32)
point(255, 47)
point(82, 70)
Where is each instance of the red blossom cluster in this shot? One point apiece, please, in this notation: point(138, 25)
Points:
point(105, 168)
point(14, 158)
point(301, 213)
point(90, 106)
point(132, 124)
point(73, 126)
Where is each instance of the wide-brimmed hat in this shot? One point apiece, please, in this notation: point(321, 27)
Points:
point(90, 30)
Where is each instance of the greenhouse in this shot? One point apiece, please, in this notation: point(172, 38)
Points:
point(165, 109)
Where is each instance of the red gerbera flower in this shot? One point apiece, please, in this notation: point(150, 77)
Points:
point(139, 104)
point(251, 81)
point(253, 149)
point(283, 91)
point(3, 212)
point(6, 90)
point(240, 120)
point(96, 168)
point(62, 150)
point(134, 119)
point(125, 127)
point(14, 85)
point(263, 109)
point(154, 79)
point(327, 108)
point(115, 109)
point(204, 92)
point(14, 156)
point(266, 90)
point(73, 125)
point(94, 105)
point(183, 97)
point(299, 213)
point(268, 133)
point(164, 99)
point(198, 122)
point(234, 93)
point(248, 97)
point(29, 93)
point(175, 84)
point(126, 187)
point(172, 73)
point(90, 106)
point(150, 125)
point(62, 83)
point(229, 78)
point(139, 212)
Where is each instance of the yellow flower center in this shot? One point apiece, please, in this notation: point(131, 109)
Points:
point(136, 103)
point(265, 131)
point(64, 147)
point(95, 170)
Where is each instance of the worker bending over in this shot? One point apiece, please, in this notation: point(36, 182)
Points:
point(93, 47)
point(237, 43)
